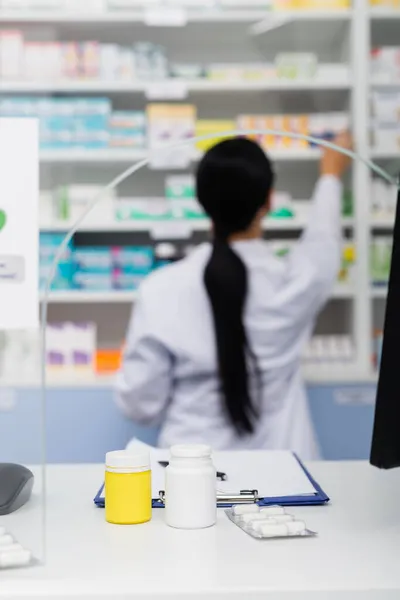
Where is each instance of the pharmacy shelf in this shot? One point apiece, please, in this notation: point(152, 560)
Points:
point(325, 374)
point(92, 156)
point(174, 88)
point(68, 379)
point(127, 226)
point(383, 154)
point(382, 222)
point(294, 224)
point(314, 374)
point(384, 82)
point(77, 380)
point(132, 156)
point(384, 13)
point(341, 292)
point(349, 36)
point(80, 297)
point(126, 17)
point(379, 292)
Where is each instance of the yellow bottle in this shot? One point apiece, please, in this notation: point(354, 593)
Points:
point(128, 488)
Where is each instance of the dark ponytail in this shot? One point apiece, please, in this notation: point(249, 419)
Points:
point(225, 278)
point(234, 180)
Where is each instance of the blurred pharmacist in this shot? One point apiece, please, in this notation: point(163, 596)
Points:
point(214, 347)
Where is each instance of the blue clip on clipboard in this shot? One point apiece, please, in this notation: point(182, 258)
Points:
point(316, 499)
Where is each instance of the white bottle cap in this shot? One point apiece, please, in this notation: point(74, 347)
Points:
point(191, 451)
point(124, 461)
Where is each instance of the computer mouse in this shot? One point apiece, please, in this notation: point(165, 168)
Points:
point(16, 483)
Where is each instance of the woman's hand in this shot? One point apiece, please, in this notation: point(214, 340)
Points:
point(333, 162)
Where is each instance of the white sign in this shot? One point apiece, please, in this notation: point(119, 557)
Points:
point(19, 223)
point(165, 17)
point(167, 90)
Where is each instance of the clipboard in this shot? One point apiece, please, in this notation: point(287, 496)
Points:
point(250, 496)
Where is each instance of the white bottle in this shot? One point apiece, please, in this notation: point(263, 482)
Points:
point(190, 488)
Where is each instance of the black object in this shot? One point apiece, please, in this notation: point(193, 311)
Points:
point(220, 476)
point(16, 483)
point(385, 452)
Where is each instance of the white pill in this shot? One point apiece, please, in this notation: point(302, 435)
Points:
point(296, 527)
point(281, 518)
point(6, 540)
point(278, 520)
point(12, 548)
point(244, 509)
point(257, 526)
point(15, 559)
point(273, 510)
point(271, 530)
point(250, 517)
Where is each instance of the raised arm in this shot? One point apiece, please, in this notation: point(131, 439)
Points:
point(325, 216)
point(314, 263)
point(319, 251)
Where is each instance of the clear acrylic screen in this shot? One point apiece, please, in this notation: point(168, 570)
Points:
point(112, 81)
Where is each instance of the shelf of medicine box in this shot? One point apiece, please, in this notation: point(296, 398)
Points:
point(340, 292)
point(200, 85)
point(131, 156)
point(271, 224)
point(127, 17)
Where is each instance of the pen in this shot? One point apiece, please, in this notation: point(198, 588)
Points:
point(220, 476)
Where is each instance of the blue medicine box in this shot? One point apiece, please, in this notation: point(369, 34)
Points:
point(93, 259)
point(133, 259)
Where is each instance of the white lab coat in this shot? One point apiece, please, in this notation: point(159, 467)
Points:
point(169, 374)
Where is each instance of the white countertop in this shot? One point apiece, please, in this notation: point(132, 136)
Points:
point(356, 555)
